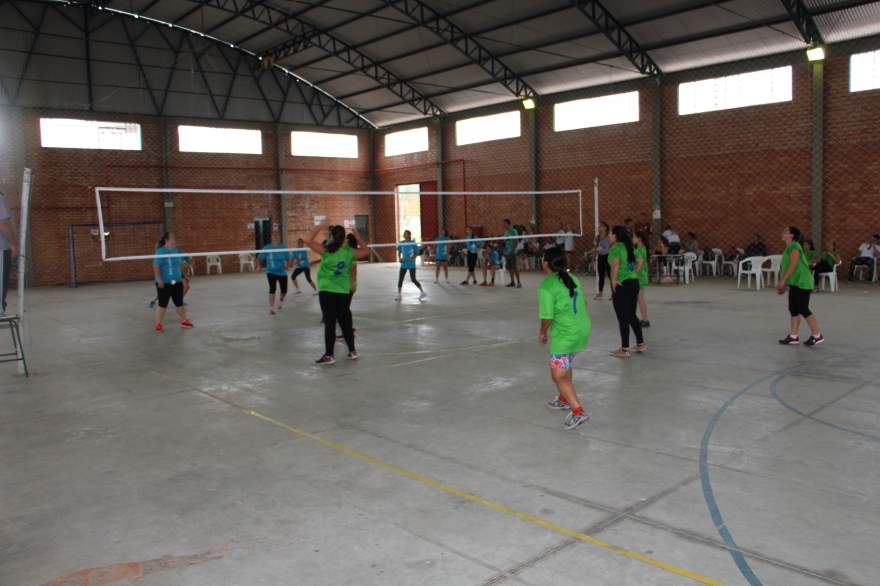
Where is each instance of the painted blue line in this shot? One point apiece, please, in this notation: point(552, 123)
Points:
point(709, 496)
point(774, 390)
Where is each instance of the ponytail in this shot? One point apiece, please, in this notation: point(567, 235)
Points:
point(162, 239)
point(555, 257)
point(796, 234)
point(337, 237)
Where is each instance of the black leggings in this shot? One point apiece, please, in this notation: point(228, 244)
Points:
point(471, 261)
point(336, 307)
point(297, 272)
point(799, 302)
point(626, 299)
point(604, 269)
point(170, 292)
point(412, 277)
point(274, 281)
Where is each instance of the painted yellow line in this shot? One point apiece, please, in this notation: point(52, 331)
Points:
point(486, 503)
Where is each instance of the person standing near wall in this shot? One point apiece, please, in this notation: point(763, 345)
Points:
point(625, 290)
point(795, 273)
point(510, 254)
point(9, 249)
point(603, 269)
point(472, 247)
point(568, 242)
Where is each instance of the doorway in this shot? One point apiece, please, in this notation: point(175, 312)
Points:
point(417, 211)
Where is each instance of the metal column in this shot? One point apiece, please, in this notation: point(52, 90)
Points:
point(281, 204)
point(441, 184)
point(657, 157)
point(165, 149)
point(532, 118)
point(818, 151)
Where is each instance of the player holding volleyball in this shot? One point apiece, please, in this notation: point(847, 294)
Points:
point(565, 321)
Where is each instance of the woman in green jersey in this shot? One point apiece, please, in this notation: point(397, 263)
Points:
point(625, 290)
point(640, 240)
point(565, 321)
point(795, 272)
point(337, 281)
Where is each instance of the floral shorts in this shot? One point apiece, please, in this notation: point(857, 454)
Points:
point(561, 361)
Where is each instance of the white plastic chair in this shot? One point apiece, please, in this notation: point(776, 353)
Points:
point(754, 268)
point(214, 261)
point(686, 268)
point(831, 278)
point(247, 260)
point(773, 269)
point(717, 257)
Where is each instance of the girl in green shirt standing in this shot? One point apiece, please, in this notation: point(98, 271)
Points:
point(625, 268)
point(795, 271)
point(640, 240)
point(337, 282)
point(566, 323)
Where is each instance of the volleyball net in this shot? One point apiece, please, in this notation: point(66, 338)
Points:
point(237, 222)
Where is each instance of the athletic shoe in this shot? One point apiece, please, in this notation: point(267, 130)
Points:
point(436, 282)
point(510, 285)
point(279, 307)
point(597, 297)
point(298, 292)
point(621, 353)
point(572, 420)
point(558, 405)
point(790, 340)
point(325, 359)
point(271, 312)
point(160, 328)
point(152, 305)
point(645, 323)
point(397, 298)
point(422, 295)
point(352, 355)
point(484, 284)
point(463, 283)
point(519, 285)
point(814, 340)
point(639, 348)
point(186, 324)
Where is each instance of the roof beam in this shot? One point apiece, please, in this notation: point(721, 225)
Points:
point(312, 6)
point(804, 22)
point(618, 35)
point(465, 43)
point(305, 34)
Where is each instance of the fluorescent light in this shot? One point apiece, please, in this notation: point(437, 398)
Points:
point(528, 104)
point(816, 53)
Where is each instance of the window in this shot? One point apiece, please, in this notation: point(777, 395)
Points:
point(485, 128)
point(864, 71)
point(323, 144)
point(206, 139)
point(735, 91)
point(66, 133)
point(615, 109)
point(406, 141)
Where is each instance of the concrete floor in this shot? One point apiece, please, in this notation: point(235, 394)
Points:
point(223, 456)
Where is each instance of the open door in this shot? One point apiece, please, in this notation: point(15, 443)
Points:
point(429, 211)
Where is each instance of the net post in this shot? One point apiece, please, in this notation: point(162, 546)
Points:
point(101, 223)
point(23, 257)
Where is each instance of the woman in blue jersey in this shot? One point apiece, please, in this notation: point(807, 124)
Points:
point(472, 246)
point(407, 250)
point(302, 266)
point(566, 323)
point(441, 258)
point(493, 264)
point(168, 275)
point(276, 264)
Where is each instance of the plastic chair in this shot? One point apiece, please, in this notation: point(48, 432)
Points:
point(755, 264)
point(214, 261)
point(247, 260)
point(831, 278)
point(773, 269)
point(191, 267)
point(686, 268)
point(733, 264)
point(717, 256)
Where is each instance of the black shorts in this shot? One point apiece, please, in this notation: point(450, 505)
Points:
point(510, 261)
point(170, 292)
point(274, 281)
point(299, 271)
point(471, 261)
point(799, 302)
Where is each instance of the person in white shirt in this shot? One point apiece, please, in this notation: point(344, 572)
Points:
point(568, 242)
point(673, 239)
point(868, 251)
point(560, 238)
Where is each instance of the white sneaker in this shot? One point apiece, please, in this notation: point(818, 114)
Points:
point(298, 292)
point(436, 282)
point(422, 295)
